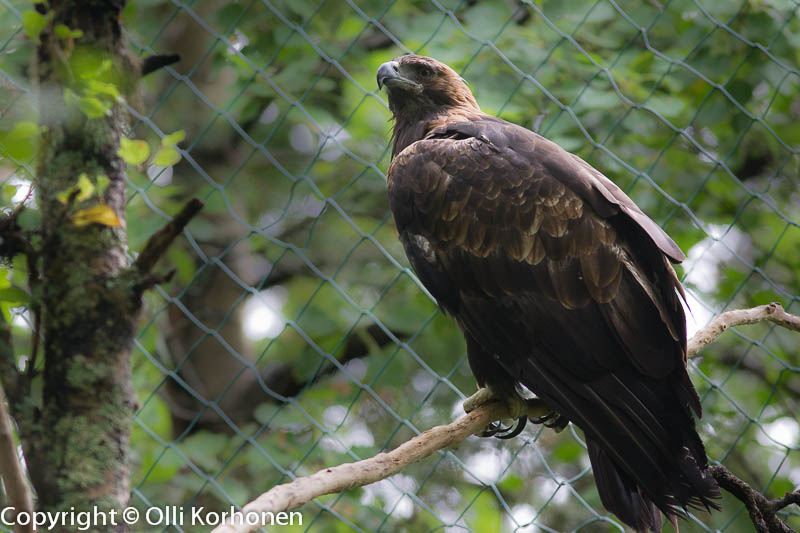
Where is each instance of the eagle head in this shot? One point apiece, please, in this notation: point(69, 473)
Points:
point(418, 84)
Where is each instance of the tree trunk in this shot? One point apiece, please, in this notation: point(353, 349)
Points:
point(78, 448)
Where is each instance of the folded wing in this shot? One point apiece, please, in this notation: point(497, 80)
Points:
point(554, 272)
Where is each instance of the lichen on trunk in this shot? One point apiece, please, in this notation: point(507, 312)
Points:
point(89, 298)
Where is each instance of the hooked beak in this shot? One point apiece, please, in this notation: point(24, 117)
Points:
point(388, 73)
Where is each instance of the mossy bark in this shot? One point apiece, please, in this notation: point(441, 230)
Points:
point(78, 455)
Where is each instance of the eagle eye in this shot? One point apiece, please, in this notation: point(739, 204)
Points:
point(425, 72)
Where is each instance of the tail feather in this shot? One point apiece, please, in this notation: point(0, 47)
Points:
point(620, 494)
point(645, 451)
point(628, 500)
point(700, 487)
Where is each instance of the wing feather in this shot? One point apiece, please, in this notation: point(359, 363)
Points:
point(529, 217)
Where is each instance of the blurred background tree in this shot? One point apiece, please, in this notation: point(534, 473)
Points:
point(294, 336)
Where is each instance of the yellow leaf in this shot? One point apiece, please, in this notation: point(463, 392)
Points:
point(99, 214)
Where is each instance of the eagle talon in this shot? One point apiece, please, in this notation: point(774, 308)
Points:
point(553, 420)
point(492, 429)
point(558, 424)
point(542, 419)
point(516, 430)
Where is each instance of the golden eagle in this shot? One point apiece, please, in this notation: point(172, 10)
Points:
point(559, 282)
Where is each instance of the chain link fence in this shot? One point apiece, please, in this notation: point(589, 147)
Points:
point(295, 337)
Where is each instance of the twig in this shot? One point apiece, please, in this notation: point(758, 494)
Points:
point(17, 488)
point(771, 312)
point(762, 511)
point(159, 242)
point(36, 311)
point(350, 475)
point(153, 63)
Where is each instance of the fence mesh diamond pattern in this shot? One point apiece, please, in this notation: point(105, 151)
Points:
point(294, 336)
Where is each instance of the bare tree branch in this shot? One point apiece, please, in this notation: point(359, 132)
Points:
point(346, 476)
point(762, 511)
point(153, 63)
point(159, 242)
point(350, 475)
point(763, 313)
point(17, 488)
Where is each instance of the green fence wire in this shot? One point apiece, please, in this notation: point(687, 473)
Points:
point(295, 337)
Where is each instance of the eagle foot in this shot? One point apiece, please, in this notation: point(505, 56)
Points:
point(517, 408)
point(516, 405)
point(522, 409)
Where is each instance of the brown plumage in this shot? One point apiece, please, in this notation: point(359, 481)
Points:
point(558, 281)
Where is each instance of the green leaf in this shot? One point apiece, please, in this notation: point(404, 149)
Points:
point(102, 183)
point(23, 130)
point(13, 295)
point(9, 191)
point(166, 157)
point(34, 23)
point(161, 466)
point(568, 451)
point(173, 138)
point(92, 107)
point(20, 142)
point(101, 88)
point(237, 60)
point(133, 152)
point(485, 513)
point(183, 262)
point(62, 31)
point(511, 483)
point(89, 66)
point(84, 189)
point(30, 219)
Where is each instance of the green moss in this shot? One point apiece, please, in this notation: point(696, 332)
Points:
point(84, 373)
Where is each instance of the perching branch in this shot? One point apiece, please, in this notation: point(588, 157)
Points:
point(762, 511)
point(350, 475)
point(289, 496)
point(16, 486)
